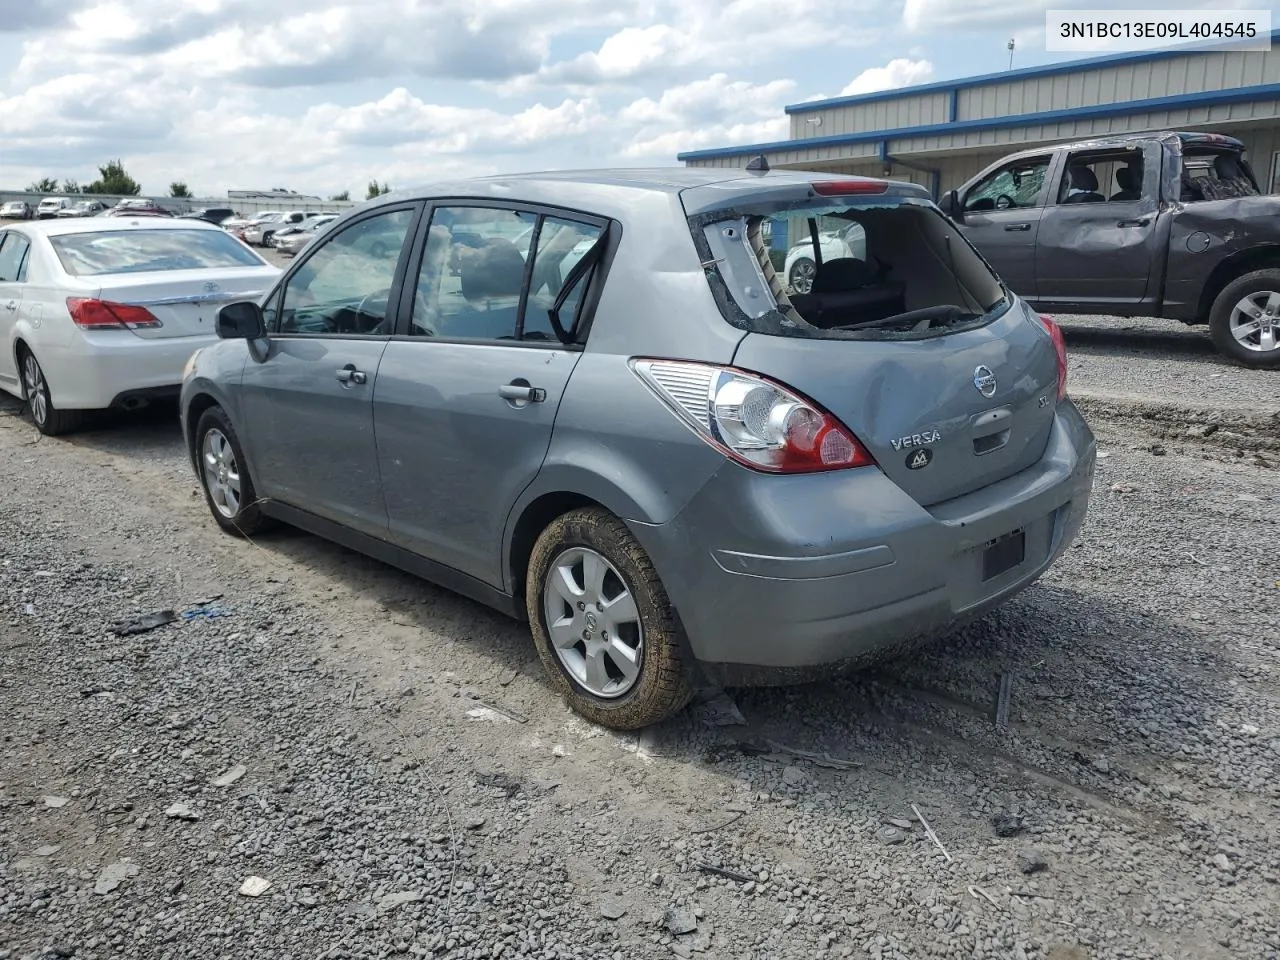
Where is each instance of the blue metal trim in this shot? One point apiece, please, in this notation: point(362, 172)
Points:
point(884, 150)
point(953, 105)
point(1008, 76)
point(1207, 98)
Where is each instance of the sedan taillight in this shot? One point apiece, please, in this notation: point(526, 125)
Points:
point(90, 314)
point(752, 420)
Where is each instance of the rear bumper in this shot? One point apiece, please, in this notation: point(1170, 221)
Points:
point(794, 577)
point(94, 370)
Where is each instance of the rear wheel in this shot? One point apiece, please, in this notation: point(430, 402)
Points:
point(801, 274)
point(1245, 320)
point(603, 625)
point(48, 419)
point(228, 488)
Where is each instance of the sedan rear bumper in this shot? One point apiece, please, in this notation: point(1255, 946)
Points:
point(812, 574)
point(97, 369)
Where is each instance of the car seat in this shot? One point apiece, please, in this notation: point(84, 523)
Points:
point(1086, 181)
point(1129, 180)
point(847, 290)
point(493, 272)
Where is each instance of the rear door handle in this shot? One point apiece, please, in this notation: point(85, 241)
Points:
point(1134, 223)
point(1017, 227)
point(522, 391)
point(349, 374)
point(11, 306)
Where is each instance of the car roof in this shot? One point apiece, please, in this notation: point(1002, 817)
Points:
point(609, 192)
point(101, 224)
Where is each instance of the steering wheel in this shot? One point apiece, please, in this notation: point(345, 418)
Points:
point(1004, 202)
point(383, 326)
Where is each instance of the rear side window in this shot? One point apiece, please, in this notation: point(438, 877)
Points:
point(144, 251)
point(1216, 175)
point(13, 257)
point(493, 273)
point(894, 269)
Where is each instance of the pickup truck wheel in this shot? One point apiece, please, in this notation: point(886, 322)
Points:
point(1245, 320)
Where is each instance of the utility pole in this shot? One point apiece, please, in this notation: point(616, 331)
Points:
point(1011, 53)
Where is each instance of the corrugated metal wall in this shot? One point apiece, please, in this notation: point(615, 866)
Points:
point(1194, 73)
point(878, 115)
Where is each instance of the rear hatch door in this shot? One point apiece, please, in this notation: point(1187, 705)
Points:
point(921, 408)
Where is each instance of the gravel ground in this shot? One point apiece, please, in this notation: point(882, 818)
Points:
point(1161, 360)
point(390, 759)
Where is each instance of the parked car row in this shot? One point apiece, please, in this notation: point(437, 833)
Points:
point(488, 385)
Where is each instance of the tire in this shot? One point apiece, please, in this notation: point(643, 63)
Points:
point(800, 276)
point(49, 420)
point(1259, 342)
point(660, 686)
point(266, 239)
point(223, 472)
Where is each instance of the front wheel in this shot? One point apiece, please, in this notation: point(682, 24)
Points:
point(605, 630)
point(800, 277)
point(1245, 320)
point(224, 476)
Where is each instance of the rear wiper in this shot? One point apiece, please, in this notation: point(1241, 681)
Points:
point(580, 268)
point(921, 319)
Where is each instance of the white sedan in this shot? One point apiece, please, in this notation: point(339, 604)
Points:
point(800, 267)
point(105, 312)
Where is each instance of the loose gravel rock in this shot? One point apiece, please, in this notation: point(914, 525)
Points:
point(1139, 759)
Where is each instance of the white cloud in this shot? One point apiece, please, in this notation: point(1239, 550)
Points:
point(894, 74)
point(711, 112)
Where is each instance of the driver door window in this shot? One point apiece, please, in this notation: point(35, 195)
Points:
point(344, 287)
point(1012, 187)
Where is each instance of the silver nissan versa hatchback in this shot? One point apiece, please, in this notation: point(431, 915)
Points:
point(589, 399)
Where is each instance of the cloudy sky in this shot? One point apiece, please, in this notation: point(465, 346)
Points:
point(323, 95)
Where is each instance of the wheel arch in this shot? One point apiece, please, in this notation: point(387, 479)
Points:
point(1233, 268)
point(533, 518)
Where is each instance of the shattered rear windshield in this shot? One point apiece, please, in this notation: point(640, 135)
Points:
point(894, 268)
point(1216, 175)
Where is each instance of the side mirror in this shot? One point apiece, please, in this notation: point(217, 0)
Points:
point(241, 320)
point(950, 205)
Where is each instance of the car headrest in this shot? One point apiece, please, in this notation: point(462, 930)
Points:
point(1227, 167)
point(1129, 178)
point(1083, 178)
point(494, 270)
point(842, 273)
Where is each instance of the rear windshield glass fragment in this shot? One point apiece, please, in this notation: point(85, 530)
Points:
point(144, 251)
point(838, 269)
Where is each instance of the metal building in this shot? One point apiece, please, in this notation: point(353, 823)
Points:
point(941, 134)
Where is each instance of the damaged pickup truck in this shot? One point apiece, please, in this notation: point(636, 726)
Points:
point(1151, 225)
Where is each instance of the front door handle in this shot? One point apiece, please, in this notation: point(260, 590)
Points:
point(349, 374)
point(522, 392)
point(11, 306)
point(1017, 227)
point(1134, 223)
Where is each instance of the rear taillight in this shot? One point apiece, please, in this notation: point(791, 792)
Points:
point(1060, 347)
point(90, 314)
point(758, 423)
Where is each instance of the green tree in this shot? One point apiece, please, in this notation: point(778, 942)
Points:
point(179, 190)
point(71, 186)
point(114, 181)
point(44, 185)
point(344, 195)
point(376, 190)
